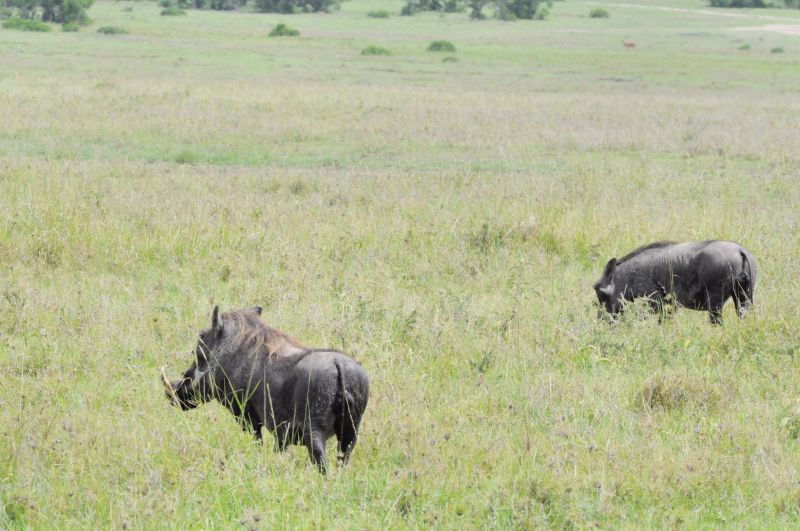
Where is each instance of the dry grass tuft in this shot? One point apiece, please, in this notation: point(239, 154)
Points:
point(673, 390)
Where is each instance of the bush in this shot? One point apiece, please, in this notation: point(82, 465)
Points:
point(282, 30)
point(744, 47)
point(294, 6)
point(375, 50)
point(380, 13)
point(777, 49)
point(70, 26)
point(441, 46)
point(25, 25)
point(542, 12)
point(449, 59)
point(111, 30)
point(444, 6)
point(172, 11)
point(598, 12)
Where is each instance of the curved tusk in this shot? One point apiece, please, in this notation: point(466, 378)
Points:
point(168, 386)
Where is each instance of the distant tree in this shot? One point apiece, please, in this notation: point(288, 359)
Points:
point(59, 11)
point(524, 9)
point(476, 8)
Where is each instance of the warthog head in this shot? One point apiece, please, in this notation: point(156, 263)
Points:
point(197, 385)
point(606, 289)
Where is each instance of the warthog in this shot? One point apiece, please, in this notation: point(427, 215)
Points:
point(267, 379)
point(697, 275)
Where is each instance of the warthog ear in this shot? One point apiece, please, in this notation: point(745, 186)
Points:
point(611, 266)
point(216, 321)
point(258, 309)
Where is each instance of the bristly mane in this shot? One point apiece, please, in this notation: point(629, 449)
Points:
point(643, 248)
point(252, 330)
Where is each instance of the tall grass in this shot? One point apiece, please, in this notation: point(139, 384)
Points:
point(442, 231)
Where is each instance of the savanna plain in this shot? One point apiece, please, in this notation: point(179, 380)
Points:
point(441, 221)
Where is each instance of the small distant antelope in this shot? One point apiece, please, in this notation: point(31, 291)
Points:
point(629, 44)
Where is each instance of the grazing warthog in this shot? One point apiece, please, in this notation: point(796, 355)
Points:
point(697, 275)
point(267, 379)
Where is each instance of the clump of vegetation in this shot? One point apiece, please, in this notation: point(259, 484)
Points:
point(443, 6)
point(69, 27)
point(777, 49)
point(375, 50)
point(186, 156)
point(380, 13)
point(450, 59)
point(25, 24)
point(598, 12)
point(675, 390)
point(295, 6)
point(441, 46)
point(111, 30)
point(542, 12)
point(282, 30)
point(172, 11)
point(511, 9)
point(744, 47)
point(36, 12)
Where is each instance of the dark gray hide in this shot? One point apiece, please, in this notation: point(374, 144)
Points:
point(697, 275)
point(267, 379)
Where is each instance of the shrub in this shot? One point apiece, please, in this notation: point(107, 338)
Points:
point(744, 47)
point(70, 26)
point(542, 12)
point(111, 30)
point(172, 11)
point(777, 49)
point(441, 46)
point(598, 12)
point(294, 6)
point(282, 30)
point(449, 59)
point(25, 25)
point(380, 13)
point(375, 50)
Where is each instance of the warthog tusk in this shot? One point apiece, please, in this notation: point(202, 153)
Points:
point(169, 387)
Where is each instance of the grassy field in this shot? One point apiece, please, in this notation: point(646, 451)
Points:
point(441, 221)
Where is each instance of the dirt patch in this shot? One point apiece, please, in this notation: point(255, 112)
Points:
point(784, 29)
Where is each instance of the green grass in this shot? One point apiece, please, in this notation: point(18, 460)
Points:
point(442, 222)
point(25, 25)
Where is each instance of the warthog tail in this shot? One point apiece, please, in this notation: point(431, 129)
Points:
point(747, 278)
